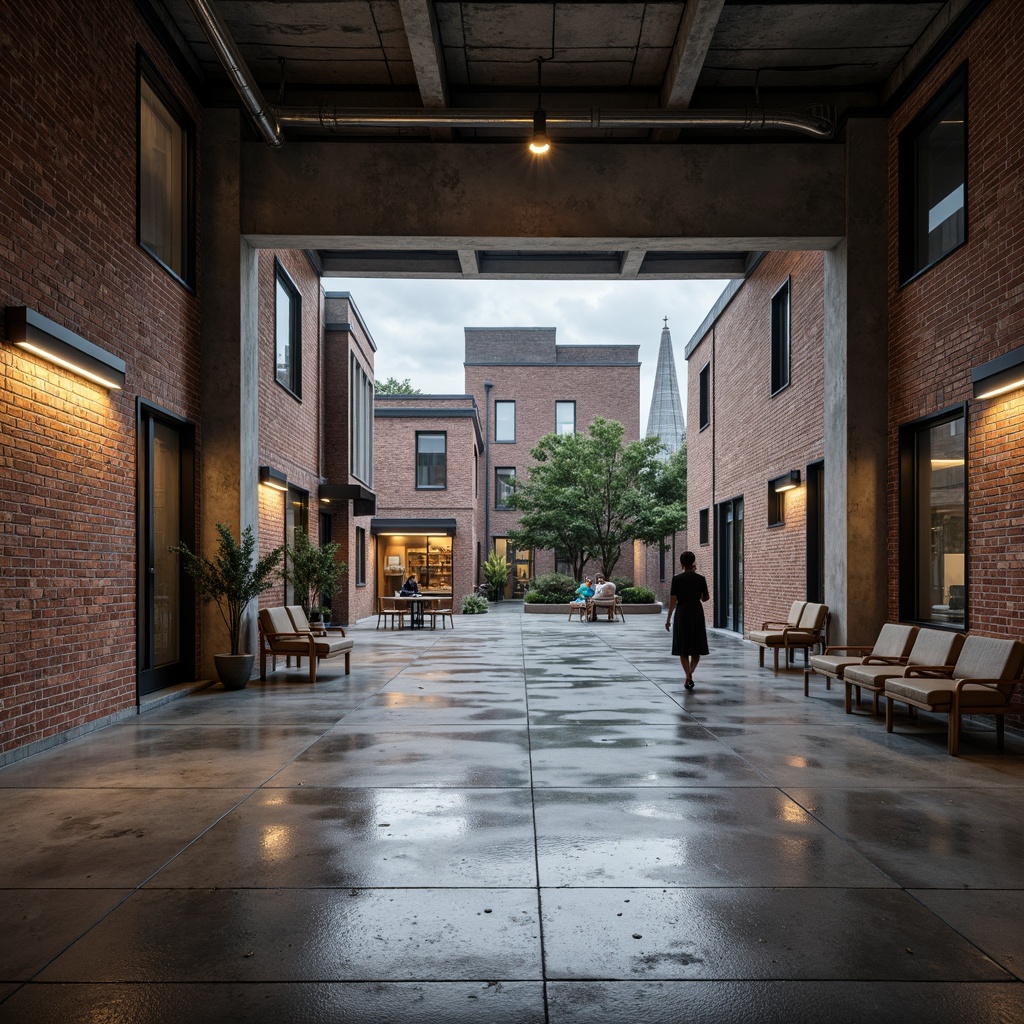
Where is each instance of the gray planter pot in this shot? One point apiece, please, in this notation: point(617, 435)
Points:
point(234, 670)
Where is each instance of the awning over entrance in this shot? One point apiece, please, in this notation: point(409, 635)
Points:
point(438, 527)
point(364, 501)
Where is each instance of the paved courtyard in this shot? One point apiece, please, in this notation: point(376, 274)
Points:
point(519, 820)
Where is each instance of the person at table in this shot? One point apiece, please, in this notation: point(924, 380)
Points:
point(584, 592)
point(410, 587)
point(605, 593)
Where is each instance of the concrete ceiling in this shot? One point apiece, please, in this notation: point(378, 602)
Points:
point(390, 56)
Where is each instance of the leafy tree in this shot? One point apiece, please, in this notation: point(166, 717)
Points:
point(313, 571)
point(392, 386)
point(588, 495)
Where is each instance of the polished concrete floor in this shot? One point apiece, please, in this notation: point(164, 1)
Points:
point(519, 820)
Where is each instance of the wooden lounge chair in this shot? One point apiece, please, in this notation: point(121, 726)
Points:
point(811, 628)
point(891, 648)
point(303, 625)
point(279, 636)
point(931, 647)
point(980, 683)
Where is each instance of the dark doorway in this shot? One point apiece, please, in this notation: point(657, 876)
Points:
point(729, 566)
point(816, 532)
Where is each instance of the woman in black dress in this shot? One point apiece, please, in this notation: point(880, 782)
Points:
point(689, 638)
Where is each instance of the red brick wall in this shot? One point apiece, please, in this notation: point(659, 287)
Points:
point(753, 436)
point(67, 448)
point(969, 309)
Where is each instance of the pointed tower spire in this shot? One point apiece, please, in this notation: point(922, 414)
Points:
point(665, 420)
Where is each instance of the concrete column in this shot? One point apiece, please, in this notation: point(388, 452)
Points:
point(230, 426)
point(856, 394)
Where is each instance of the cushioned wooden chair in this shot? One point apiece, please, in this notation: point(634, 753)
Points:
point(442, 610)
point(303, 625)
point(980, 683)
point(279, 636)
point(891, 648)
point(391, 613)
point(811, 628)
point(931, 647)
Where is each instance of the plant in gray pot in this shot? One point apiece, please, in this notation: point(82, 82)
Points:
point(232, 579)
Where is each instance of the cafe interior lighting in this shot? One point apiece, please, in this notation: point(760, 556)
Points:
point(273, 478)
point(39, 335)
point(787, 481)
point(999, 376)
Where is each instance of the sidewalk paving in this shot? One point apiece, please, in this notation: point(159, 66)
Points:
point(520, 819)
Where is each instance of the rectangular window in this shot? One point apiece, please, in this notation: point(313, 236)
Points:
point(360, 557)
point(933, 180)
point(504, 483)
point(431, 461)
point(504, 421)
point(776, 505)
point(565, 418)
point(702, 518)
point(562, 563)
point(165, 193)
point(780, 339)
point(933, 518)
point(296, 520)
point(705, 395)
point(287, 332)
point(360, 422)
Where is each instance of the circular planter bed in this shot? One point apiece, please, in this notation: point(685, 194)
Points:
point(563, 609)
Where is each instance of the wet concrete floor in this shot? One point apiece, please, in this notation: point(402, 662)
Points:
point(519, 820)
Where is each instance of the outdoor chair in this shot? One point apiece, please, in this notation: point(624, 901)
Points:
point(442, 611)
point(303, 625)
point(980, 683)
point(390, 613)
point(277, 635)
point(931, 647)
point(611, 606)
point(811, 628)
point(891, 648)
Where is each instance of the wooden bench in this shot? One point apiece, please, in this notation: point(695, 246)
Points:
point(810, 629)
point(278, 635)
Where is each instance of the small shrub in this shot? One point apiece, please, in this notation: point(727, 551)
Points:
point(551, 588)
point(637, 595)
point(621, 583)
point(473, 605)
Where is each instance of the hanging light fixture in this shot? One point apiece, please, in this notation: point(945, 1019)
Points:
point(539, 142)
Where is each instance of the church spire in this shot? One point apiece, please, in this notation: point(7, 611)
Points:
point(665, 420)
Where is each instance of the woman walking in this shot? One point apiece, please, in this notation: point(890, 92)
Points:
point(689, 638)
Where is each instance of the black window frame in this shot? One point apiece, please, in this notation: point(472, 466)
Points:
point(910, 512)
point(283, 281)
point(360, 556)
point(704, 397)
point(511, 472)
point(776, 506)
point(781, 328)
point(912, 264)
point(295, 522)
point(565, 401)
point(504, 440)
point(703, 528)
point(432, 433)
point(146, 70)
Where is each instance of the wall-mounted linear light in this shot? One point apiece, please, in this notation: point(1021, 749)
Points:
point(999, 376)
point(42, 337)
point(273, 478)
point(787, 481)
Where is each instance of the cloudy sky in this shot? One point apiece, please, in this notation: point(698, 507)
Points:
point(418, 325)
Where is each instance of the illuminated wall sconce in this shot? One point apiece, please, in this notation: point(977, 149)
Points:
point(42, 337)
point(999, 376)
point(786, 482)
point(273, 478)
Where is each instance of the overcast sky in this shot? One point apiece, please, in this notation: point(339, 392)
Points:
point(418, 325)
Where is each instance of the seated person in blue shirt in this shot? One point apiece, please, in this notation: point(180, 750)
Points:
point(584, 592)
point(410, 587)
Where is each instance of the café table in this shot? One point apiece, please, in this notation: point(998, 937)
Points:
point(417, 604)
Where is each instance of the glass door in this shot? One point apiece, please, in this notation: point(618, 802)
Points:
point(166, 627)
point(729, 566)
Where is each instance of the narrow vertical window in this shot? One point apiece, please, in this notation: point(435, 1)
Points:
point(360, 422)
point(780, 339)
point(703, 518)
point(165, 148)
point(504, 421)
point(565, 418)
point(287, 332)
point(504, 484)
point(705, 396)
point(431, 461)
point(360, 556)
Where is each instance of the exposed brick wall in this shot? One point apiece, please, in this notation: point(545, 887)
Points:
point(966, 310)
point(754, 437)
point(68, 448)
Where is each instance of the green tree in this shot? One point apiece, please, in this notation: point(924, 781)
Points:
point(392, 386)
point(588, 495)
point(313, 571)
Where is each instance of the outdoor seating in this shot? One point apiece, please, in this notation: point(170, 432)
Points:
point(931, 647)
point(612, 607)
point(277, 635)
point(442, 611)
point(303, 625)
point(389, 612)
point(981, 682)
point(891, 648)
point(810, 628)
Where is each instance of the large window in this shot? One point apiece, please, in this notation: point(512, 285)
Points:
point(431, 461)
point(565, 418)
point(504, 421)
point(287, 331)
point(933, 518)
point(165, 141)
point(705, 396)
point(504, 484)
point(780, 338)
point(360, 422)
point(933, 179)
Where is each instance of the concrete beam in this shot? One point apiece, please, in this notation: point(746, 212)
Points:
point(631, 261)
point(696, 198)
point(421, 31)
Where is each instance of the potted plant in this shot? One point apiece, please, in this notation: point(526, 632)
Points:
point(232, 579)
point(315, 573)
point(495, 570)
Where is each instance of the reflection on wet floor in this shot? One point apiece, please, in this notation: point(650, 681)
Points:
point(516, 820)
